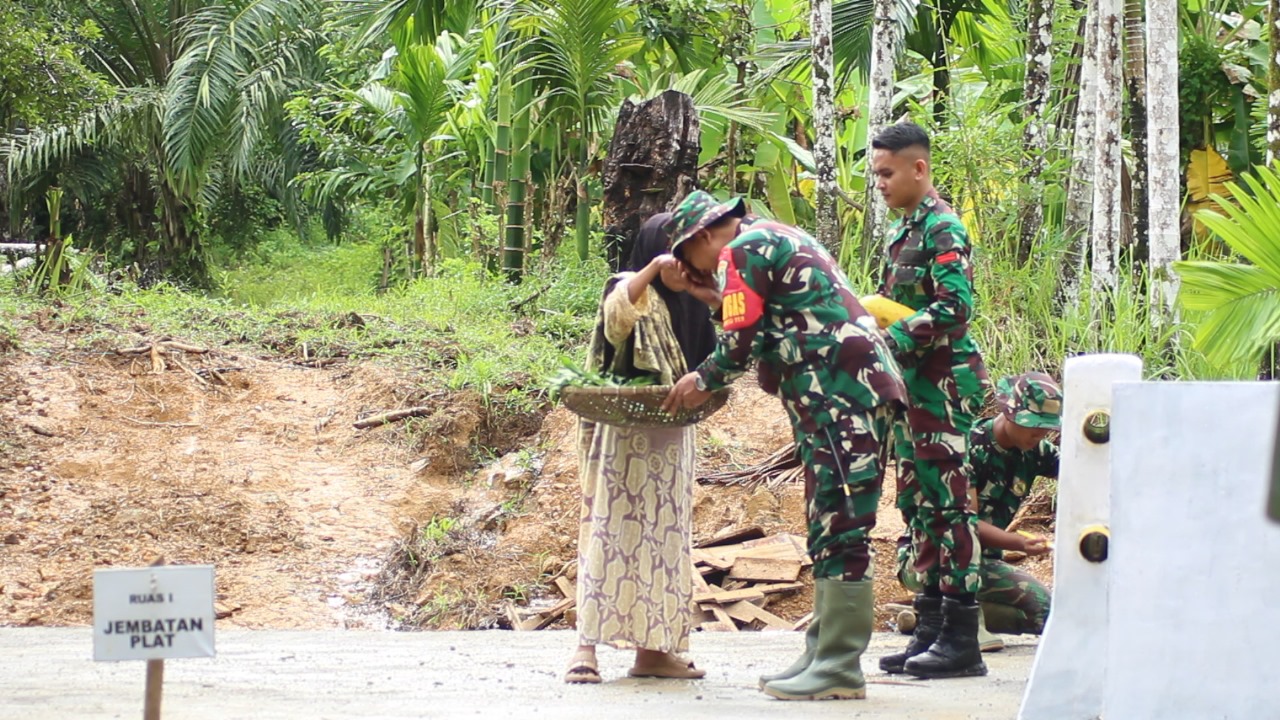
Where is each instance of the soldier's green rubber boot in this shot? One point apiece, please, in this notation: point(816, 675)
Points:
point(810, 642)
point(987, 641)
point(846, 613)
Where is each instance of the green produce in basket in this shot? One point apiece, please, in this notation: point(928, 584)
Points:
point(573, 375)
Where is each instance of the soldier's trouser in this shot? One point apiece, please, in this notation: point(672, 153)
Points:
point(1013, 601)
point(932, 444)
point(844, 460)
point(1023, 601)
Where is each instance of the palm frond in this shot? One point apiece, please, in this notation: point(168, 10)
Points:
point(717, 99)
point(375, 20)
point(851, 22)
point(1241, 302)
point(575, 51)
point(238, 62)
point(123, 119)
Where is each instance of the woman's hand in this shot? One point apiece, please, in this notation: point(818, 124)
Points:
point(645, 277)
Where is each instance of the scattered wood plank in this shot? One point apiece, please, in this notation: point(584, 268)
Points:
point(732, 536)
point(803, 622)
point(566, 587)
point(747, 612)
point(555, 613)
point(796, 541)
point(724, 597)
point(775, 588)
point(712, 559)
point(517, 622)
point(756, 548)
point(722, 620)
point(770, 570)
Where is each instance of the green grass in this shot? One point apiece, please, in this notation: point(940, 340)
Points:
point(462, 328)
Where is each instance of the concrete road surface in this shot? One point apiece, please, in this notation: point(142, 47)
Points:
point(48, 673)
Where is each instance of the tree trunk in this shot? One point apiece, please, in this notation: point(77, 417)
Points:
point(1106, 186)
point(1035, 137)
point(1067, 95)
point(651, 165)
point(486, 184)
point(1136, 84)
point(824, 126)
point(418, 264)
point(731, 137)
point(502, 146)
point(941, 62)
point(513, 248)
point(1273, 82)
point(884, 48)
point(428, 223)
point(1077, 221)
point(582, 221)
point(1162, 156)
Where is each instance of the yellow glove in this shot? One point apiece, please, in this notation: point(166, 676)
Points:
point(885, 311)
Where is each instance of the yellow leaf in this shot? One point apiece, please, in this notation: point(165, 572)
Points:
point(1207, 174)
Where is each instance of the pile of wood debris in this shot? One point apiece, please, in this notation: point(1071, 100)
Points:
point(736, 574)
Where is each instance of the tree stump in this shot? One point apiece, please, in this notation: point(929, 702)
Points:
point(652, 164)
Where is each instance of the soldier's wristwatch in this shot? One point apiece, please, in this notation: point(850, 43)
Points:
point(699, 383)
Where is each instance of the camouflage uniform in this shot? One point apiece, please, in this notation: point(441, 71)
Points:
point(787, 304)
point(928, 270)
point(1001, 479)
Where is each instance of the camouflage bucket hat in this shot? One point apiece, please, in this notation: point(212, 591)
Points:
point(1031, 400)
point(698, 210)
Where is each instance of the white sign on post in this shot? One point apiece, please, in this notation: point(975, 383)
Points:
point(153, 613)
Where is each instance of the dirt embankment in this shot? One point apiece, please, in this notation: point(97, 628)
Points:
point(252, 464)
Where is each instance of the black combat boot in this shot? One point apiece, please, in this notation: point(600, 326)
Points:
point(955, 653)
point(928, 625)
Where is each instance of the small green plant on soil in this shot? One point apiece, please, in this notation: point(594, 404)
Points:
point(437, 531)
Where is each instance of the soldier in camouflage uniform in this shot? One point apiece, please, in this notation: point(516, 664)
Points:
point(928, 270)
point(1006, 454)
point(785, 302)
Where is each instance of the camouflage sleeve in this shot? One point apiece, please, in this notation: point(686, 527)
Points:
point(1046, 462)
point(747, 264)
point(952, 305)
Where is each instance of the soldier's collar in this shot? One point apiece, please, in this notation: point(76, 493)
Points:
point(925, 207)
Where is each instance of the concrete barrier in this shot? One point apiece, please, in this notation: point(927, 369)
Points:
point(1068, 674)
point(1195, 566)
point(1167, 570)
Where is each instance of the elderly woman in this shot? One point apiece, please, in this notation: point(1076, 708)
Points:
point(634, 541)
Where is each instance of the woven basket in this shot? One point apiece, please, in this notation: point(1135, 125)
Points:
point(639, 407)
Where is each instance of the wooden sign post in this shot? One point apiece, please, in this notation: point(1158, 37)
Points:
point(152, 614)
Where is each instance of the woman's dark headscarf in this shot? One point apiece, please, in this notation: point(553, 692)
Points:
point(690, 318)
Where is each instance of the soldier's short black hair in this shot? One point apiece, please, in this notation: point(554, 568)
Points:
point(901, 136)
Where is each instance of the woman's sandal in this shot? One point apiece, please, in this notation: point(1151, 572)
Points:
point(583, 670)
point(672, 667)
